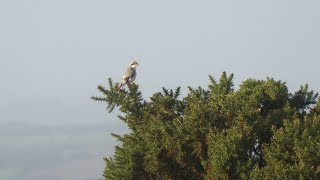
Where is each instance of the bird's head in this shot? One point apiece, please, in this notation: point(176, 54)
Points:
point(134, 64)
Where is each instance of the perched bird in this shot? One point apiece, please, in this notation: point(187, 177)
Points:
point(129, 75)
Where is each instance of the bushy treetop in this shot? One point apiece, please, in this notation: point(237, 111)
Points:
point(260, 131)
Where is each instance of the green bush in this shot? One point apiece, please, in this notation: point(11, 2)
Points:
point(260, 131)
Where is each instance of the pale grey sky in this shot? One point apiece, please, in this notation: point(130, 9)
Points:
point(54, 53)
point(58, 51)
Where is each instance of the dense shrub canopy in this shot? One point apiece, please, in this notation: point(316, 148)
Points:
point(260, 131)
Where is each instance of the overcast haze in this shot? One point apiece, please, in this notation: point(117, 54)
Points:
point(53, 54)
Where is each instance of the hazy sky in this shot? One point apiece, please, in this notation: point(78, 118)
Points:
point(54, 53)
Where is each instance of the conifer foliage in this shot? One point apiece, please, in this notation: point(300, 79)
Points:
point(260, 131)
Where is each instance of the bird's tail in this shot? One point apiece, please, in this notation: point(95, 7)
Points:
point(121, 86)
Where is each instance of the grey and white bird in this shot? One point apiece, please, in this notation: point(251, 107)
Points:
point(129, 75)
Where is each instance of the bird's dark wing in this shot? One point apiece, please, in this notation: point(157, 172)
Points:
point(128, 73)
point(133, 77)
